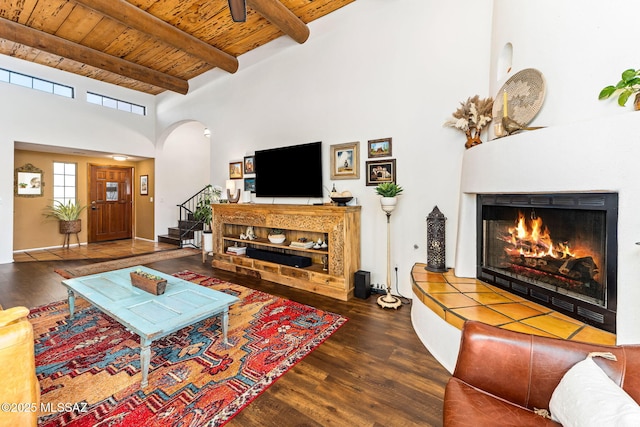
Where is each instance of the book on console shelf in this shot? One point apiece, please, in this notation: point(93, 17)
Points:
point(237, 250)
point(304, 245)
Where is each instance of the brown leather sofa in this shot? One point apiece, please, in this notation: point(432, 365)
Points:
point(19, 388)
point(501, 377)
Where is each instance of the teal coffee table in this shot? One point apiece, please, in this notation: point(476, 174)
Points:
point(150, 316)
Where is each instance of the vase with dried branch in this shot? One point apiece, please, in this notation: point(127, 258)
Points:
point(472, 117)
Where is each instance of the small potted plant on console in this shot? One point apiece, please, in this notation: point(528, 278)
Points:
point(277, 236)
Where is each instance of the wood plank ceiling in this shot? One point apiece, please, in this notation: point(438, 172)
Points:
point(148, 45)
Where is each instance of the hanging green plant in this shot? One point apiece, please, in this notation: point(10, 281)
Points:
point(629, 85)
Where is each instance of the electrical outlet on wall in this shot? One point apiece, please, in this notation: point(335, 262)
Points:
point(378, 288)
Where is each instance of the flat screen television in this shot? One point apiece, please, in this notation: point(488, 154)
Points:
point(292, 171)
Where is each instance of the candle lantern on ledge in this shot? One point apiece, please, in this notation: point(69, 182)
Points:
point(435, 241)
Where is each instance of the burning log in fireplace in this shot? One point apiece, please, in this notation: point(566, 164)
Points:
point(582, 286)
point(580, 269)
point(530, 251)
point(537, 251)
point(531, 238)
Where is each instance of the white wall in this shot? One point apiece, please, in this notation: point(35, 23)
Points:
point(580, 47)
point(31, 116)
point(182, 169)
point(373, 69)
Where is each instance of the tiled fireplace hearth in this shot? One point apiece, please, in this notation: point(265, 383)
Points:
point(456, 300)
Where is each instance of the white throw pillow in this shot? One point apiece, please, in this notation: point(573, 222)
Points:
point(586, 396)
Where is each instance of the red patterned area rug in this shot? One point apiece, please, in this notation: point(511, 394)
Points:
point(89, 368)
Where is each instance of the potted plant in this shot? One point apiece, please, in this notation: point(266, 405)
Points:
point(67, 214)
point(204, 214)
point(276, 235)
point(388, 189)
point(389, 192)
point(629, 85)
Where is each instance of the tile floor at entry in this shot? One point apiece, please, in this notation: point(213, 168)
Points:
point(457, 299)
point(104, 250)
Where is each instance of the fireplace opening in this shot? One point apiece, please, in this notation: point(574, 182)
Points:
point(558, 250)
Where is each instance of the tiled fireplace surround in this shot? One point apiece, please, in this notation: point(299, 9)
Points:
point(600, 155)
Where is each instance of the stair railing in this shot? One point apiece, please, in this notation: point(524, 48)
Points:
point(190, 224)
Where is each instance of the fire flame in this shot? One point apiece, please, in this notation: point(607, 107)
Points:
point(531, 238)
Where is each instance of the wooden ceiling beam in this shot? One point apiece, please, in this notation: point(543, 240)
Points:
point(46, 42)
point(280, 16)
point(134, 17)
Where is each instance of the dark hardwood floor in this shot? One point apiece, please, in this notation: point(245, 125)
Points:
point(374, 371)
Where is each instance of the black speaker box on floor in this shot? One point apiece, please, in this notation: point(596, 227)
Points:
point(362, 284)
point(279, 258)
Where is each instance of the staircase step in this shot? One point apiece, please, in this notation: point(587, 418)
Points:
point(190, 225)
point(169, 239)
point(175, 232)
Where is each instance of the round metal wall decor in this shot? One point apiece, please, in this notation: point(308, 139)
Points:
point(436, 241)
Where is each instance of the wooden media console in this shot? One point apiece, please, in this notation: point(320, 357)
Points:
point(332, 267)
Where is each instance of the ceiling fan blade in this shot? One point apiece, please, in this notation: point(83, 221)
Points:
point(238, 10)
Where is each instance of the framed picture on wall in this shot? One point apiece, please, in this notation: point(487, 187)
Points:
point(249, 165)
point(345, 161)
point(28, 181)
point(235, 170)
point(144, 185)
point(379, 171)
point(379, 147)
point(250, 184)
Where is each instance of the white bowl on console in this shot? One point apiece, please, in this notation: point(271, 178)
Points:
point(277, 238)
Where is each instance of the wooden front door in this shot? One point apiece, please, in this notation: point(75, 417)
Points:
point(110, 203)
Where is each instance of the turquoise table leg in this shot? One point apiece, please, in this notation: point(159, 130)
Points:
point(225, 325)
point(72, 302)
point(145, 357)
